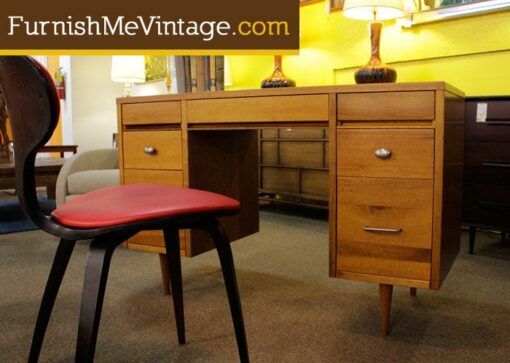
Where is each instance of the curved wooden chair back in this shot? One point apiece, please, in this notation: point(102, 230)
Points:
point(34, 108)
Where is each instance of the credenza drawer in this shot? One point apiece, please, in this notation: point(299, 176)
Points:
point(164, 177)
point(487, 162)
point(168, 112)
point(280, 179)
point(393, 153)
point(386, 106)
point(152, 150)
point(385, 211)
point(259, 109)
point(496, 127)
point(490, 195)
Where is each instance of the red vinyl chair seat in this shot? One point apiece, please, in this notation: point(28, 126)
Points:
point(125, 204)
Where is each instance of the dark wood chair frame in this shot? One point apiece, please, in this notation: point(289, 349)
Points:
point(34, 109)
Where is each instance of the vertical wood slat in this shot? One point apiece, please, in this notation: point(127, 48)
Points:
point(332, 104)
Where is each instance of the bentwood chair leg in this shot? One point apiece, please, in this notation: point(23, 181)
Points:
point(96, 275)
point(58, 269)
point(229, 275)
point(472, 237)
point(173, 255)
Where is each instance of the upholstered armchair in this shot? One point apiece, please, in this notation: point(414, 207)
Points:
point(86, 172)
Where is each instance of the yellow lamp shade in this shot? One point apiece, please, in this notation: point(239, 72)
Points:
point(373, 9)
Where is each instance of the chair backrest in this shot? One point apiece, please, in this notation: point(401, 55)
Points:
point(33, 107)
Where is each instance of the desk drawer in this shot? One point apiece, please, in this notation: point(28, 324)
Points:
point(259, 109)
point(151, 113)
point(164, 177)
point(386, 106)
point(166, 146)
point(402, 207)
point(411, 153)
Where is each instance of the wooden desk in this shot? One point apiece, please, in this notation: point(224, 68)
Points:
point(61, 149)
point(46, 173)
point(395, 169)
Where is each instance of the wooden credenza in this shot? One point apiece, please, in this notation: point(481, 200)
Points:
point(294, 166)
point(395, 169)
point(487, 166)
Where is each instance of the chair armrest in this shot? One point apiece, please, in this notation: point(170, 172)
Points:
point(99, 159)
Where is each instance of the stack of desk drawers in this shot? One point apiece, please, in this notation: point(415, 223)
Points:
point(151, 153)
point(397, 152)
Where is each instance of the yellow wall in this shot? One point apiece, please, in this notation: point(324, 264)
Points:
point(472, 54)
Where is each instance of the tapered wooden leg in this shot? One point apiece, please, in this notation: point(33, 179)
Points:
point(229, 275)
point(96, 275)
point(163, 263)
point(58, 269)
point(472, 236)
point(385, 293)
point(412, 291)
point(173, 256)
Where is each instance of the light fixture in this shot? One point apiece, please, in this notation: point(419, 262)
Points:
point(374, 10)
point(128, 69)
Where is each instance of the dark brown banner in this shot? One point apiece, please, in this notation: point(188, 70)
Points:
point(149, 25)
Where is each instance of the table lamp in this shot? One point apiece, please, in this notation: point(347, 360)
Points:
point(128, 69)
point(375, 11)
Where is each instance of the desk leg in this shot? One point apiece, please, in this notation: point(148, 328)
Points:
point(385, 293)
point(163, 262)
point(412, 291)
point(50, 191)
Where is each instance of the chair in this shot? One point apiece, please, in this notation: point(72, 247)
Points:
point(34, 108)
point(87, 171)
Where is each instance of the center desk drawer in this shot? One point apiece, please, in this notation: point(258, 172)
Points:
point(393, 153)
point(385, 226)
point(259, 109)
point(152, 150)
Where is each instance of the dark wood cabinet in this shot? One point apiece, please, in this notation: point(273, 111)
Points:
point(487, 166)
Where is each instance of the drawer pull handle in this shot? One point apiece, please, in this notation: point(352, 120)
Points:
point(382, 153)
point(496, 164)
point(149, 150)
point(382, 230)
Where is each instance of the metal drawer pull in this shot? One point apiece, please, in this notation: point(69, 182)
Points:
point(382, 230)
point(496, 164)
point(149, 150)
point(382, 153)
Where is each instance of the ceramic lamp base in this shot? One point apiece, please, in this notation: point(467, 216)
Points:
point(277, 79)
point(370, 74)
point(275, 82)
point(375, 71)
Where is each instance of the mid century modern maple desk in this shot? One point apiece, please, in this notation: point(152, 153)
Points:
point(395, 165)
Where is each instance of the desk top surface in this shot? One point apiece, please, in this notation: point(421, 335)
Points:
point(287, 91)
point(41, 164)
